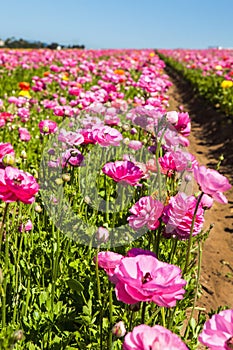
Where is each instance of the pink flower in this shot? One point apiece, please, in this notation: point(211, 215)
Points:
point(144, 337)
point(24, 134)
point(5, 148)
point(119, 329)
point(146, 212)
point(108, 261)
point(217, 333)
point(177, 161)
point(123, 171)
point(26, 227)
point(73, 157)
point(183, 125)
point(178, 215)
point(139, 251)
point(47, 127)
point(70, 137)
point(135, 145)
point(16, 185)
point(107, 136)
point(145, 278)
point(212, 183)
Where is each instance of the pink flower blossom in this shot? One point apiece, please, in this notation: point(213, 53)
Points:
point(73, 157)
point(178, 215)
point(108, 261)
point(145, 278)
point(217, 333)
point(16, 185)
point(26, 227)
point(107, 136)
point(47, 127)
point(123, 171)
point(135, 145)
point(24, 134)
point(146, 212)
point(139, 251)
point(70, 137)
point(212, 183)
point(144, 337)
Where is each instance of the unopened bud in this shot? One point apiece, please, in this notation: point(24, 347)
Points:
point(66, 177)
point(8, 159)
point(38, 208)
point(119, 329)
point(102, 234)
point(59, 181)
point(17, 335)
point(23, 154)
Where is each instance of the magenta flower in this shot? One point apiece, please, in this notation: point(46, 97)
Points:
point(73, 157)
point(217, 333)
point(146, 212)
point(16, 185)
point(47, 127)
point(139, 251)
point(178, 215)
point(144, 337)
point(107, 136)
point(5, 148)
point(212, 183)
point(26, 227)
point(123, 171)
point(24, 134)
point(108, 261)
point(145, 278)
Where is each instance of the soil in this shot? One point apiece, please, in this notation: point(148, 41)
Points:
point(211, 137)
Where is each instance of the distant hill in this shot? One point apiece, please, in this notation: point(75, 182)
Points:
point(14, 43)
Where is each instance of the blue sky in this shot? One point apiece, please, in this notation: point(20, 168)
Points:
point(120, 23)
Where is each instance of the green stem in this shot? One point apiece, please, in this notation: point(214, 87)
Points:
point(191, 235)
point(110, 316)
point(99, 298)
point(196, 287)
point(143, 312)
point(3, 222)
point(163, 316)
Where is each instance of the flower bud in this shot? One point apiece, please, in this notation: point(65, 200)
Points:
point(102, 234)
point(59, 181)
point(66, 177)
point(8, 159)
point(23, 154)
point(119, 329)
point(38, 208)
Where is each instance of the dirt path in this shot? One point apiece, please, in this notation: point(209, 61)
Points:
point(211, 136)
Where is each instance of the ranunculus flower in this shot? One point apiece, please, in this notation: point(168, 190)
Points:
point(145, 278)
point(108, 261)
point(47, 127)
point(212, 183)
point(5, 148)
point(26, 227)
point(16, 185)
point(73, 157)
point(144, 337)
point(107, 136)
point(135, 145)
point(178, 215)
point(123, 171)
point(146, 212)
point(217, 333)
point(139, 251)
point(70, 137)
point(24, 134)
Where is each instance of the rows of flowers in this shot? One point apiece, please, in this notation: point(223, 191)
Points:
point(210, 71)
point(102, 206)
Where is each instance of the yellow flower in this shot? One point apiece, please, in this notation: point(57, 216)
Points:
point(218, 67)
point(226, 84)
point(24, 93)
point(152, 54)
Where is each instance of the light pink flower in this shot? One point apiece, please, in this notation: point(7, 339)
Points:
point(26, 227)
point(145, 278)
point(135, 144)
point(47, 127)
point(108, 261)
point(24, 134)
point(144, 337)
point(119, 329)
point(217, 333)
point(107, 136)
point(123, 171)
point(16, 185)
point(212, 183)
point(146, 212)
point(178, 215)
point(70, 137)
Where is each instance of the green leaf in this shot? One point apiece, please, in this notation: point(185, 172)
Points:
point(75, 285)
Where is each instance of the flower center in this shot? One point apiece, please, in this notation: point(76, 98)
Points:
point(146, 278)
point(229, 343)
point(17, 181)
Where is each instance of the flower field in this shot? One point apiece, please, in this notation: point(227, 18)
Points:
point(102, 206)
point(209, 71)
